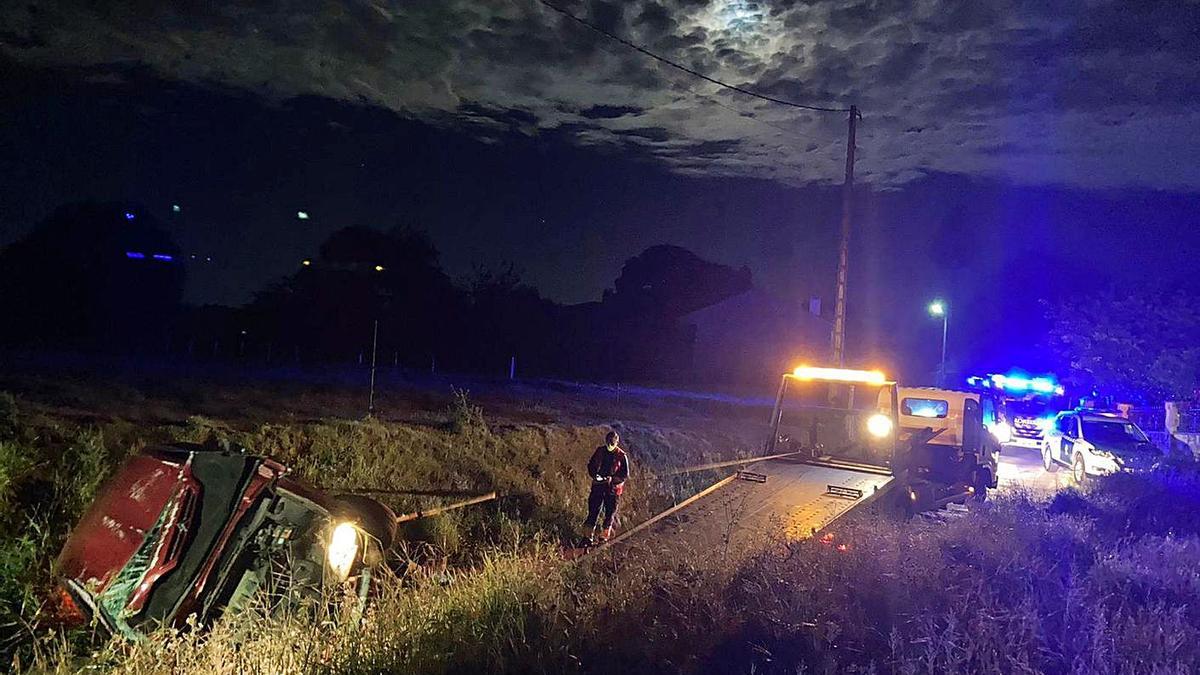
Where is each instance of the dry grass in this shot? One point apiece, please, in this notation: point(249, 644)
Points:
point(1101, 581)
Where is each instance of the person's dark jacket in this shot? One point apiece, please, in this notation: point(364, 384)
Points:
point(606, 464)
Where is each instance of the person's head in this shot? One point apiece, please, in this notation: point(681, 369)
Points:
point(611, 439)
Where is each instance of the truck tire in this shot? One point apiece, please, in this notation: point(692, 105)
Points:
point(983, 479)
point(1079, 469)
point(1048, 460)
point(371, 516)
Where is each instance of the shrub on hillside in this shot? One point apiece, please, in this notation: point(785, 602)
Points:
point(465, 417)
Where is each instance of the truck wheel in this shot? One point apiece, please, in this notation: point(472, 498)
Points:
point(983, 478)
point(371, 516)
point(1079, 469)
point(1048, 460)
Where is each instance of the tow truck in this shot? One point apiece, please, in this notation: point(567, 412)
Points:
point(953, 435)
point(838, 442)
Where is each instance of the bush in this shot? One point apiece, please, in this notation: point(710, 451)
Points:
point(464, 417)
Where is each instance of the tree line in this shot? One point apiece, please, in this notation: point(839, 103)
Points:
point(104, 277)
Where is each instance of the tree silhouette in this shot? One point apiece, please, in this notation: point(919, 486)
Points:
point(363, 275)
point(1131, 344)
point(91, 275)
point(674, 281)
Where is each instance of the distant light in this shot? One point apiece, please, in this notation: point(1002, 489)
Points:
point(379, 268)
point(243, 332)
point(163, 257)
point(306, 263)
point(175, 208)
point(129, 216)
point(302, 215)
point(207, 259)
point(937, 308)
point(839, 375)
point(1059, 390)
point(135, 255)
point(879, 425)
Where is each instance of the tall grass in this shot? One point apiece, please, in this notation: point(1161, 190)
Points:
point(1103, 580)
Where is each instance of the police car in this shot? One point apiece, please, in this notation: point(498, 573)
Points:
point(1094, 443)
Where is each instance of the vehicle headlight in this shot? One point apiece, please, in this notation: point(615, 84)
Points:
point(879, 425)
point(1002, 431)
point(342, 549)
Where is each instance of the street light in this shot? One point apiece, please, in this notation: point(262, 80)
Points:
point(938, 308)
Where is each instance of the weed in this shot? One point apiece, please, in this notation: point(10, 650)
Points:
point(464, 417)
point(15, 463)
point(87, 465)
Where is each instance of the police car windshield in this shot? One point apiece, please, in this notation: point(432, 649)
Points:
point(1116, 431)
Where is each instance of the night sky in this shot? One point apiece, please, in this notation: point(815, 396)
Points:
point(1009, 151)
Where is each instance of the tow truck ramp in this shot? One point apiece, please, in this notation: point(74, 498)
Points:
point(774, 500)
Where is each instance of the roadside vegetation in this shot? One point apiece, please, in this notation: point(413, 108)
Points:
point(1100, 580)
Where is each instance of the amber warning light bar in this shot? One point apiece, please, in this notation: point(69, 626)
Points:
point(839, 375)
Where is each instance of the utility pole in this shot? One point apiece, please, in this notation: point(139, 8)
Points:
point(839, 312)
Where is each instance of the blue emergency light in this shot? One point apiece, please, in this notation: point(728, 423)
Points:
point(1017, 383)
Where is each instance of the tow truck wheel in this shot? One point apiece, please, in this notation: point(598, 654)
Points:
point(983, 478)
point(1079, 469)
point(1048, 460)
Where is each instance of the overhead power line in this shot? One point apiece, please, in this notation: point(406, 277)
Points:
point(689, 71)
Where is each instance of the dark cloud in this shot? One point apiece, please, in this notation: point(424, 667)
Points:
point(1061, 71)
point(657, 134)
point(607, 112)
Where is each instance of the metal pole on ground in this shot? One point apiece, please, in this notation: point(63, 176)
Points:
point(374, 349)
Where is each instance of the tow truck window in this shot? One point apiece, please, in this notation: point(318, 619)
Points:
point(925, 407)
point(1096, 431)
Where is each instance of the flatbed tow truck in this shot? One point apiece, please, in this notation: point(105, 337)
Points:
point(836, 447)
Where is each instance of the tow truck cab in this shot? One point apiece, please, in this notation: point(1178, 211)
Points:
point(952, 436)
point(1095, 443)
point(185, 531)
point(933, 441)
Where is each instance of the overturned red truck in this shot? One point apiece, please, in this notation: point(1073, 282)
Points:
point(188, 531)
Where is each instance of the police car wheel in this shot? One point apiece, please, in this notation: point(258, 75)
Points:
point(1047, 460)
point(1078, 469)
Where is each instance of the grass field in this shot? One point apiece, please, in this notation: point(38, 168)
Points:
point(1105, 580)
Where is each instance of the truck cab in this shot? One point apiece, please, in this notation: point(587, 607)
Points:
point(1093, 443)
point(951, 435)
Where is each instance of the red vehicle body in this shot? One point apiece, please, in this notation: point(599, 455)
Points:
point(187, 531)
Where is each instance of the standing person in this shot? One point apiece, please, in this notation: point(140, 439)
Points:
point(609, 469)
